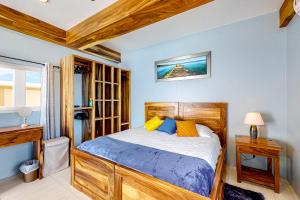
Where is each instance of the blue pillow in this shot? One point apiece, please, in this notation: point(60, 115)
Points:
point(169, 126)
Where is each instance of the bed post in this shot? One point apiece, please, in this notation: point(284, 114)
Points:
point(218, 185)
point(72, 166)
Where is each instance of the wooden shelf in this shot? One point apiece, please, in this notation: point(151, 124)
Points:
point(101, 118)
point(124, 123)
point(108, 117)
point(107, 100)
point(125, 127)
point(82, 108)
point(258, 176)
point(98, 81)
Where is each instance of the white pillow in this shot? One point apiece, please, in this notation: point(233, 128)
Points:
point(204, 131)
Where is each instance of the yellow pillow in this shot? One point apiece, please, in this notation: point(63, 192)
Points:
point(153, 123)
point(186, 129)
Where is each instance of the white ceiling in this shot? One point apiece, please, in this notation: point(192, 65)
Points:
point(61, 13)
point(212, 15)
point(67, 13)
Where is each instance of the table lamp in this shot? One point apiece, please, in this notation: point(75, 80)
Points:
point(24, 112)
point(253, 119)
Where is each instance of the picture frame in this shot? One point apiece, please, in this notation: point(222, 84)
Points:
point(192, 66)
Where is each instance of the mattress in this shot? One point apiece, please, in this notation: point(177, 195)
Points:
point(205, 148)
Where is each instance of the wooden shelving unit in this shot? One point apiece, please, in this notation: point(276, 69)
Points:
point(108, 100)
point(109, 91)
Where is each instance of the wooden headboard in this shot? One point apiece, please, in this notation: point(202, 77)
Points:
point(212, 115)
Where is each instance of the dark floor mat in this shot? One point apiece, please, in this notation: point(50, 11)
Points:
point(235, 193)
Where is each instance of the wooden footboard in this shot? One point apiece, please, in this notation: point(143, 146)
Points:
point(92, 175)
point(132, 185)
point(102, 179)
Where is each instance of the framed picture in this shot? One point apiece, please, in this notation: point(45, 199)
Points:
point(184, 67)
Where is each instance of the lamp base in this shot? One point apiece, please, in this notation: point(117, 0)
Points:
point(24, 125)
point(253, 132)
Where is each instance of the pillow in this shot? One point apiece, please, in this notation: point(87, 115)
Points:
point(186, 129)
point(153, 123)
point(169, 126)
point(204, 131)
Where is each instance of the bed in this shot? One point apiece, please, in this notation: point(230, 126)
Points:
point(103, 177)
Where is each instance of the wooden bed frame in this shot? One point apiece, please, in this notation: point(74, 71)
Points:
point(103, 179)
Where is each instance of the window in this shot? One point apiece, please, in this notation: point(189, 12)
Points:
point(19, 86)
point(33, 88)
point(6, 87)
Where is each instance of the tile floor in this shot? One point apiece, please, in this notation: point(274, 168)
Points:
point(57, 187)
point(54, 187)
point(286, 191)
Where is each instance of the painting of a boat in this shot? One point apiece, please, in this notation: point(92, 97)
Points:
point(185, 67)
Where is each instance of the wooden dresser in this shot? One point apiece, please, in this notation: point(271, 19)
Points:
point(10, 136)
point(260, 147)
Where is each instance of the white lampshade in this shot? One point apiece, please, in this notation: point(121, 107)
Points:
point(254, 118)
point(24, 112)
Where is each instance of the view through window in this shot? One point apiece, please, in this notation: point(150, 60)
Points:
point(19, 86)
point(33, 88)
point(6, 87)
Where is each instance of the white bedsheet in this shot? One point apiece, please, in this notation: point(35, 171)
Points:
point(199, 147)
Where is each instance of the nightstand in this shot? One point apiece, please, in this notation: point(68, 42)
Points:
point(260, 147)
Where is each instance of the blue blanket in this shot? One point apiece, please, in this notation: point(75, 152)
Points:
point(188, 172)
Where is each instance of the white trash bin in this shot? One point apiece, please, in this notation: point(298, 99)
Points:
point(30, 170)
point(56, 155)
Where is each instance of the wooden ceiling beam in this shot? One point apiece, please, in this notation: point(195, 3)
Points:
point(120, 18)
point(104, 52)
point(287, 13)
point(123, 17)
point(20, 22)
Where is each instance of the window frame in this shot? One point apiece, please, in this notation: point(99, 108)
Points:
point(19, 87)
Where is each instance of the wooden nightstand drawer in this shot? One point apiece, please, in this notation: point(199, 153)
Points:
point(258, 151)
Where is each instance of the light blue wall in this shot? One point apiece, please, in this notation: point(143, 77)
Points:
point(11, 157)
point(293, 99)
point(248, 72)
point(17, 45)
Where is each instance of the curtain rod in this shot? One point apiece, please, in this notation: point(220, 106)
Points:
point(28, 61)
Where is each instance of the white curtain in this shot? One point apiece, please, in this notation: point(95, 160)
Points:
point(47, 119)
